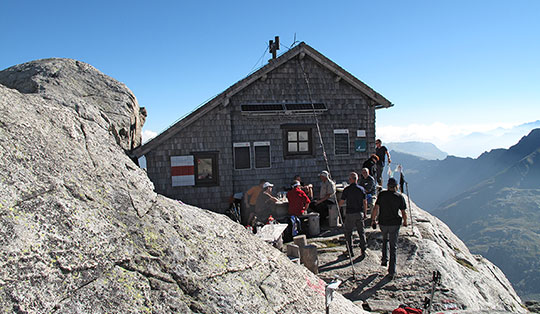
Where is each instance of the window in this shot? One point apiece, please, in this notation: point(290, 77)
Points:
point(297, 140)
point(242, 156)
point(206, 168)
point(341, 142)
point(262, 154)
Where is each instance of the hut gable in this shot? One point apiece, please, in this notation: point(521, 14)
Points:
point(268, 125)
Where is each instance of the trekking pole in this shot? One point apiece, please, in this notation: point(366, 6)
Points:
point(325, 157)
point(410, 209)
point(436, 281)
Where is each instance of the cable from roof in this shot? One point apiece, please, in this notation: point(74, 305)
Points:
point(260, 60)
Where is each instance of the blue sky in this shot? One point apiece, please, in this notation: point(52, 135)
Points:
point(450, 67)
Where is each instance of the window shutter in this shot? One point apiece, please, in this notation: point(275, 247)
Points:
point(341, 141)
point(242, 156)
point(262, 154)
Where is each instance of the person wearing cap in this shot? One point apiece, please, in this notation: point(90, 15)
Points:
point(371, 165)
point(298, 199)
point(265, 205)
point(326, 195)
point(389, 204)
point(355, 195)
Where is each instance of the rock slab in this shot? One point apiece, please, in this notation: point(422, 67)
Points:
point(82, 231)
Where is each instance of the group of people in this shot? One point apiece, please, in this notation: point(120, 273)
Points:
point(363, 195)
point(385, 205)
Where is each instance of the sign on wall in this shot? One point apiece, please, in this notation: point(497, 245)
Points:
point(182, 171)
point(360, 145)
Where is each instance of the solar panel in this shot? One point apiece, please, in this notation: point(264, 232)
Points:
point(282, 108)
point(262, 107)
point(316, 106)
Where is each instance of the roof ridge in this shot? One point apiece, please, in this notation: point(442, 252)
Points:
point(223, 97)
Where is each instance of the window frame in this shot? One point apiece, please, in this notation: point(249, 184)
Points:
point(214, 155)
point(297, 128)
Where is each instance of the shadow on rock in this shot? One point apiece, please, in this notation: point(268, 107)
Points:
point(358, 293)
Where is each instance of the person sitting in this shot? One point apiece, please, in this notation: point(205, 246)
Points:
point(308, 189)
point(371, 165)
point(369, 184)
point(250, 200)
point(265, 205)
point(298, 200)
point(326, 195)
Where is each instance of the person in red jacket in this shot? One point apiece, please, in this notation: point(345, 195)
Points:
point(298, 200)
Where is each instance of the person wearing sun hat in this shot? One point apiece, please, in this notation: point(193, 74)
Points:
point(298, 199)
point(265, 205)
point(326, 195)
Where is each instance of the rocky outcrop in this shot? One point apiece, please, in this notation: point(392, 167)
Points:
point(469, 282)
point(81, 230)
point(93, 95)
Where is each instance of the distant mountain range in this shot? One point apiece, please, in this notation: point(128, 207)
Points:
point(476, 143)
point(491, 202)
point(420, 149)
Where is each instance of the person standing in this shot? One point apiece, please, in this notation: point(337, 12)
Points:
point(298, 200)
point(381, 152)
point(369, 184)
point(326, 195)
point(389, 204)
point(355, 195)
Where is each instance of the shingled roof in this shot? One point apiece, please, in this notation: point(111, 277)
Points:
point(223, 98)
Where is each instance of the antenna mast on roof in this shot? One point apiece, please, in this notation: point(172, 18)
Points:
point(274, 46)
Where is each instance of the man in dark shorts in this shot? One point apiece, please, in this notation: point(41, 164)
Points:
point(387, 207)
point(355, 195)
point(381, 152)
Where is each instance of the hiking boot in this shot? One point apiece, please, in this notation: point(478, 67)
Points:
point(384, 263)
point(391, 276)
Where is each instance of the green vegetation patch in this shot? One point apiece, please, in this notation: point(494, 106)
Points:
point(465, 263)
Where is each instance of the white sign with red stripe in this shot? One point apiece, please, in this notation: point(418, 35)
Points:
point(182, 171)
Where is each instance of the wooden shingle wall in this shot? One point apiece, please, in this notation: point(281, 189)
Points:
point(347, 109)
point(209, 133)
point(217, 130)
